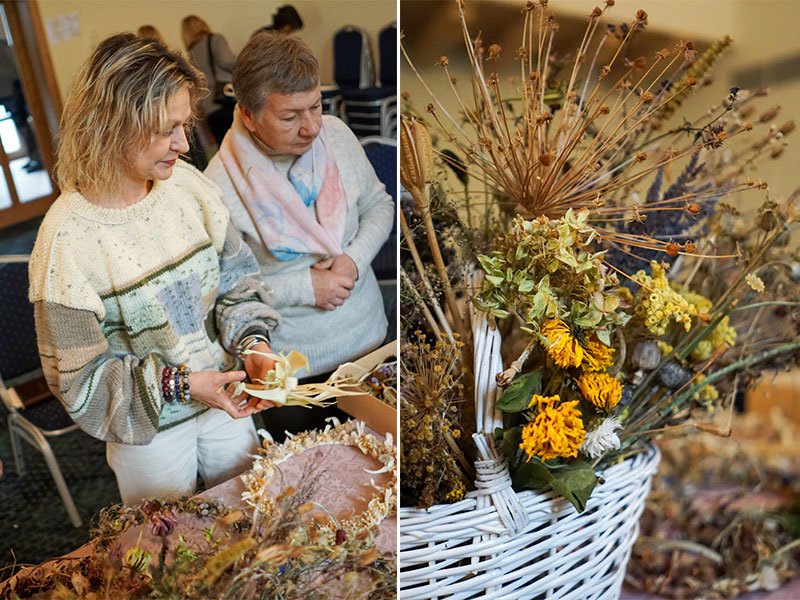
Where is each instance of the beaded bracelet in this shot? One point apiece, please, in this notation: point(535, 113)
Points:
point(175, 384)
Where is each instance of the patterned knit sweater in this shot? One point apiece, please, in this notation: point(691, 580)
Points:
point(121, 293)
point(327, 338)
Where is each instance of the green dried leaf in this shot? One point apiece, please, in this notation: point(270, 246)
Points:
point(508, 441)
point(532, 475)
point(575, 482)
point(517, 396)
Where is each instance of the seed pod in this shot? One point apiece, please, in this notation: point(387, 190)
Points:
point(416, 156)
point(646, 355)
point(673, 376)
point(627, 395)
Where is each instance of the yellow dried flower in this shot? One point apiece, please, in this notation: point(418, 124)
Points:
point(457, 493)
point(597, 356)
point(706, 395)
point(563, 348)
point(755, 283)
point(601, 390)
point(566, 351)
point(557, 431)
point(658, 304)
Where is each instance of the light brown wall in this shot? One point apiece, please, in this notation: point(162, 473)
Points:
point(235, 19)
point(763, 31)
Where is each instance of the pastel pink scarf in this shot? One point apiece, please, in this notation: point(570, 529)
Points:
point(281, 206)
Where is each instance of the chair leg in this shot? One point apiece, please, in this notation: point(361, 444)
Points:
point(63, 490)
point(16, 448)
point(33, 435)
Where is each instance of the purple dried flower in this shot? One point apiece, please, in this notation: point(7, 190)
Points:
point(163, 522)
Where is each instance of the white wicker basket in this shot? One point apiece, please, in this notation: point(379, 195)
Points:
point(500, 544)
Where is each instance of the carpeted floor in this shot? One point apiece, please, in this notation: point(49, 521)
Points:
point(34, 525)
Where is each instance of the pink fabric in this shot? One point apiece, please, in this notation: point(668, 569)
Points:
point(284, 221)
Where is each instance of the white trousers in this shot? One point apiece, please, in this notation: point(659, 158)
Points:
point(214, 444)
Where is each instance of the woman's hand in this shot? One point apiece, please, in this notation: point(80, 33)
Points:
point(344, 265)
point(331, 289)
point(210, 388)
point(256, 366)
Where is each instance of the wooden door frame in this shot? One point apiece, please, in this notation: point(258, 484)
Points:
point(41, 93)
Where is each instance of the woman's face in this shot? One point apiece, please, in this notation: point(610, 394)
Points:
point(158, 159)
point(288, 123)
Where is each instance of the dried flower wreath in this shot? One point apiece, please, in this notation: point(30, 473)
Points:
point(350, 433)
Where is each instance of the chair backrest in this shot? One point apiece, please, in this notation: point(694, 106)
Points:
point(352, 58)
point(382, 155)
point(387, 55)
point(19, 353)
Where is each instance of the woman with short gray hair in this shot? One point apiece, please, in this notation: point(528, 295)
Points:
point(306, 199)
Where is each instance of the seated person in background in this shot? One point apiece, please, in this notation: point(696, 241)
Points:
point(143, 292)
point(306, 199)
point(285, 20)
point(150, 31)
point(210, 53)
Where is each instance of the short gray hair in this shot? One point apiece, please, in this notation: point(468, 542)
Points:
point(273, 63)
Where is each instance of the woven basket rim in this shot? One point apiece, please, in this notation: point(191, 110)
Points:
point(646, 459)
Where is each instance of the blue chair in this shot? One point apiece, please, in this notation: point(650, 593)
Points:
point(382, 155)
point(387, 56)
point(366, 108)
point(20, 364)
point(352, 58)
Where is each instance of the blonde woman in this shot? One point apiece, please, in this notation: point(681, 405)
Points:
point(210, 53)
point(143, 292)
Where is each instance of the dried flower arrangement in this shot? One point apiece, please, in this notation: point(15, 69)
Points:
point(381, 381)
point(233, 557)
point(281, 386)
point(634, 298)
point(722, 519)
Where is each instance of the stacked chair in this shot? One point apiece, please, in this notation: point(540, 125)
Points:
point(368, 107)
point(382, 155)
point(19, 365)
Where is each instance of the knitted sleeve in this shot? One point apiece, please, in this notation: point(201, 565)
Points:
point(243, 305)
point(112, 398)
point(376, 212)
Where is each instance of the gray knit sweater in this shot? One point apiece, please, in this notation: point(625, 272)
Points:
point(328, 338)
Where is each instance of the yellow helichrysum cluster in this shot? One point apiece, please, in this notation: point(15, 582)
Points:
point(723, 333)
point(658, 305)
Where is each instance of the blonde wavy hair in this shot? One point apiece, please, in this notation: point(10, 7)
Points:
point(117, 104)
point(193, 28)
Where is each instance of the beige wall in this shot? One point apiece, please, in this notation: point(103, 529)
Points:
point(763, 30)
point(235, 19)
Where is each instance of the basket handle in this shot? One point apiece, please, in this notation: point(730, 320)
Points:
point(493, 481)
